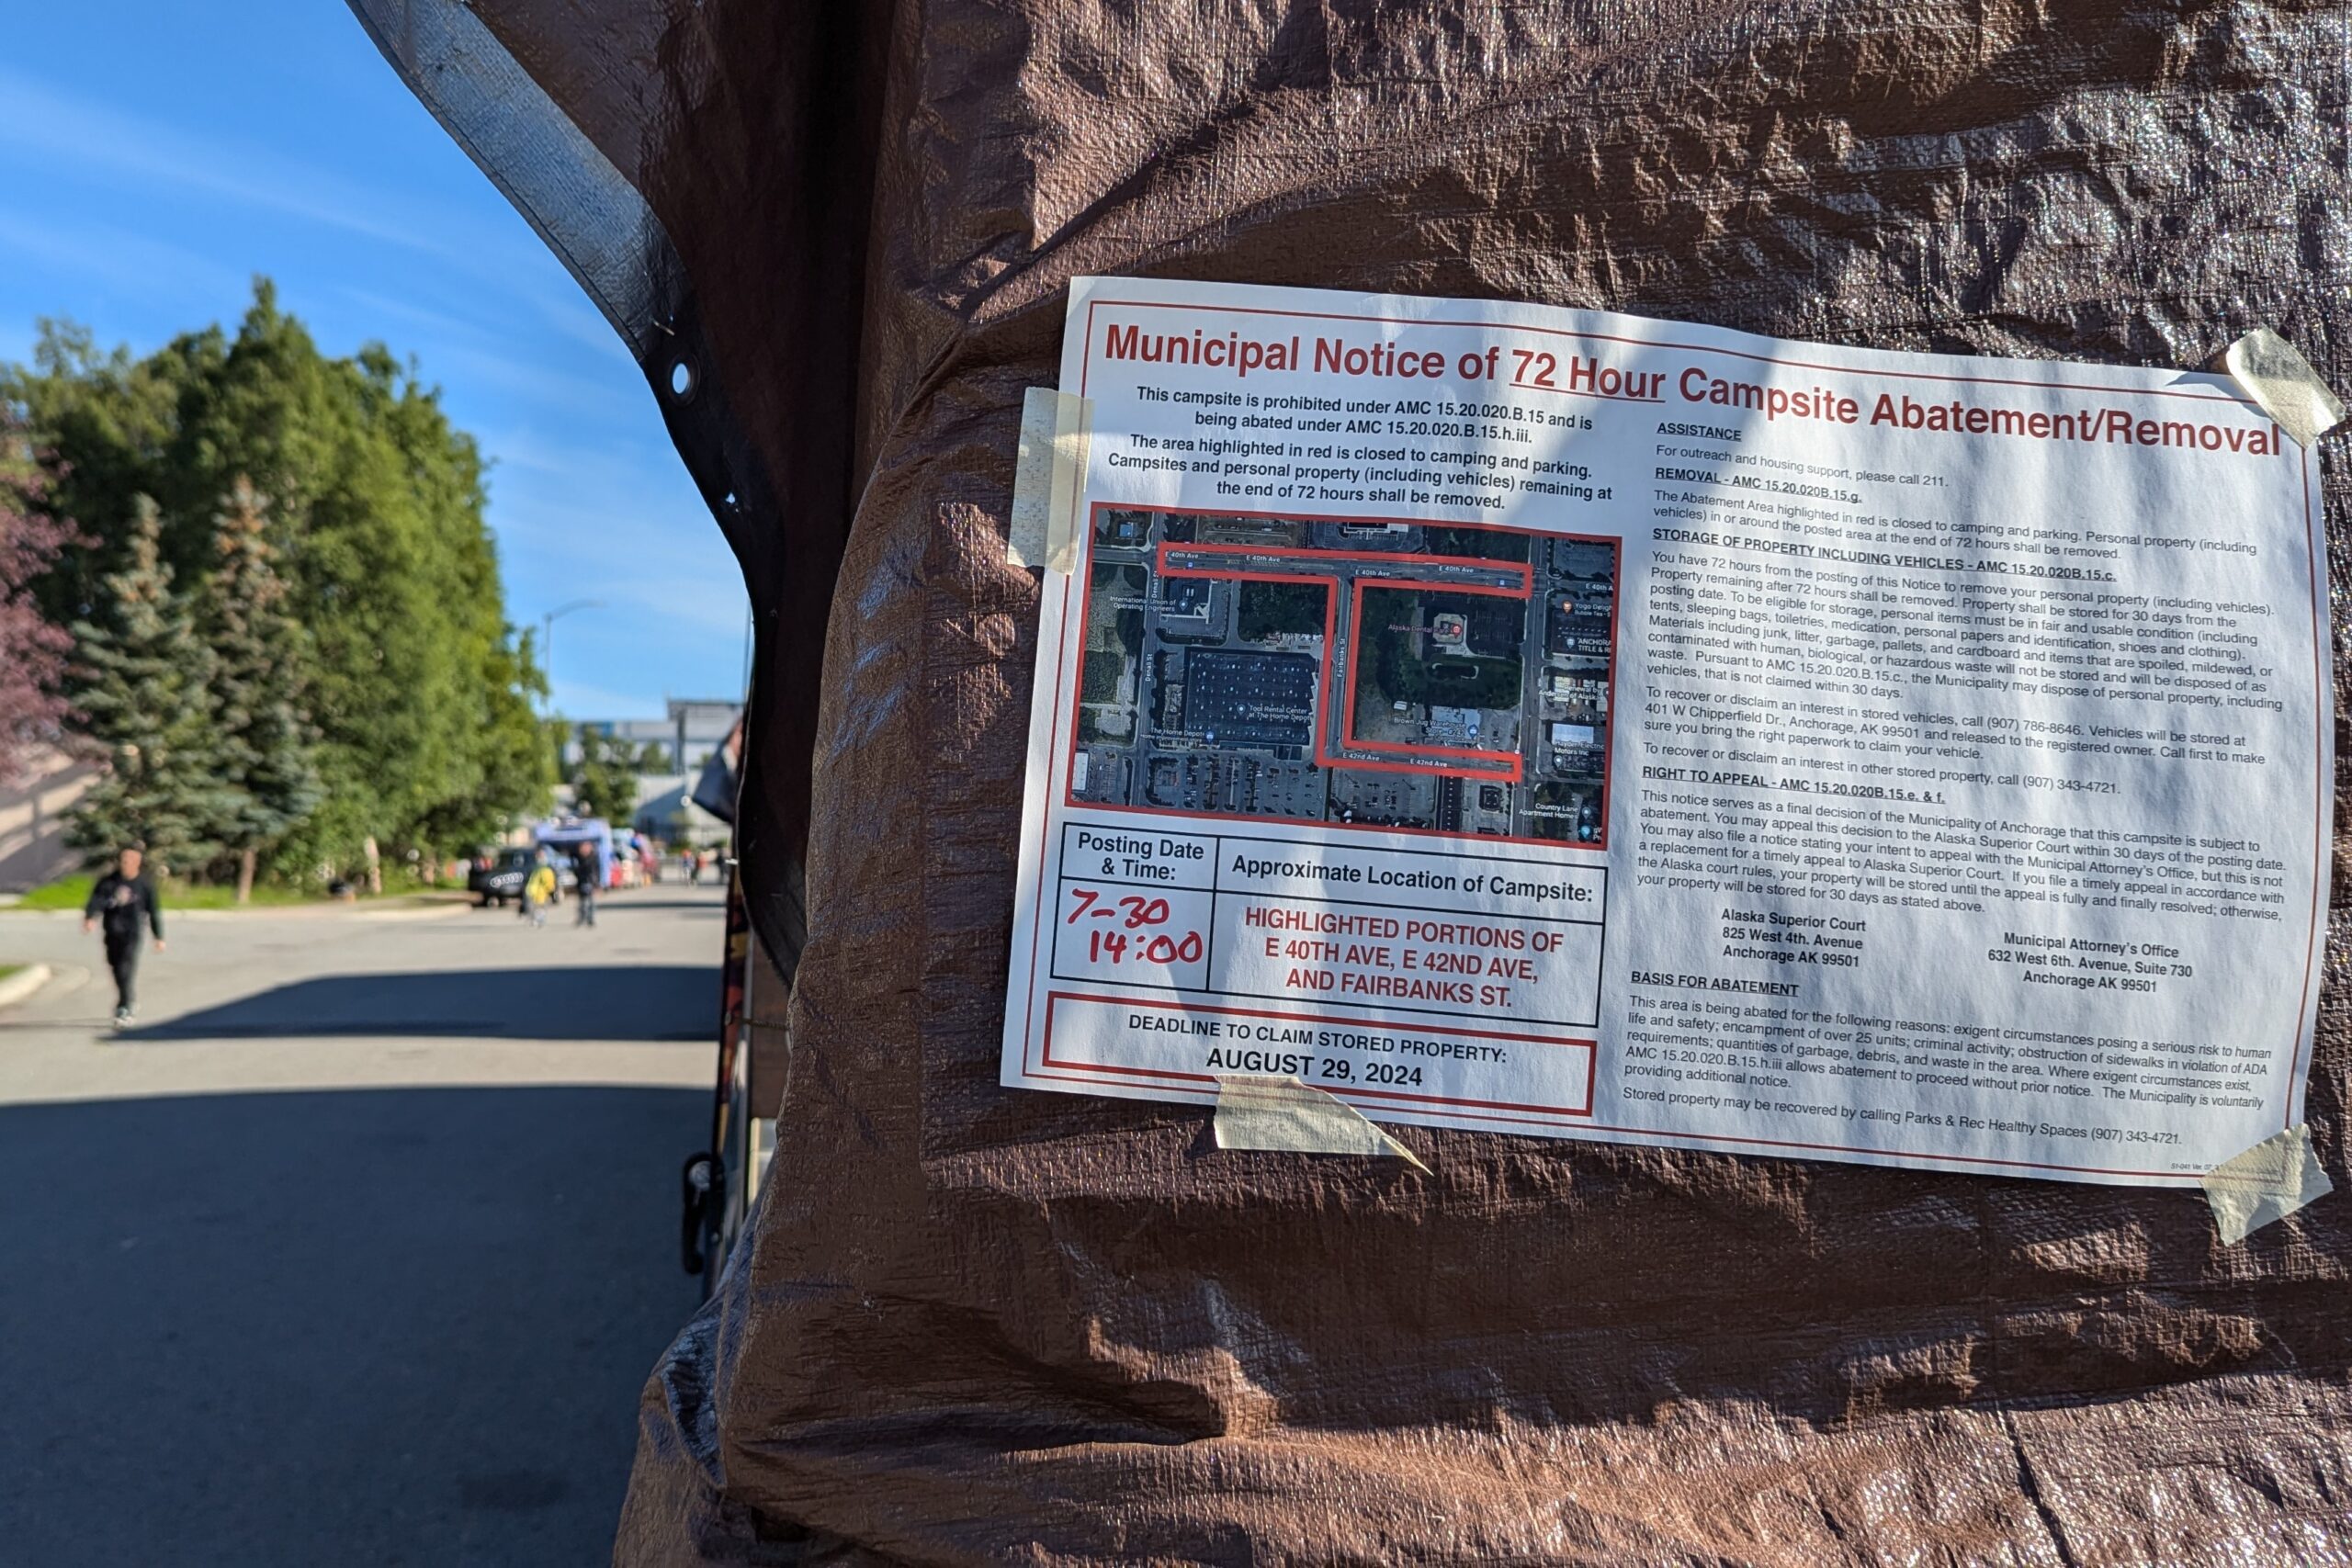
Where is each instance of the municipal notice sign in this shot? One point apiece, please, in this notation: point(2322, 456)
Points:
point(1578, 725)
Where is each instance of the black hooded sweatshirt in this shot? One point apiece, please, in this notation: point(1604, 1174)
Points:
point(119, 903)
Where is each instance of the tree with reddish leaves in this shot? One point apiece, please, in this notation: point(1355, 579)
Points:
point(32, 651)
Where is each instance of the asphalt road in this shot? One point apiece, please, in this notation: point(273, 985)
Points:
point(357, 1248)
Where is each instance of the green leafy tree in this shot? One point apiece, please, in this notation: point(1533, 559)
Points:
point(604, 781)
point(142, 690)
point(267, 748)
point(101, 421)
point(654, 758)
point(516, 774)
point(419, 689)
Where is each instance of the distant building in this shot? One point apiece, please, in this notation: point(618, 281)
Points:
point(1493, 626)
point(1580, 623)
point(1184, 598)
point(1583, 691)
point(1454, 724)
point(1593, 558)
point(1124, 527)
point(693, 730)
point(666, 810)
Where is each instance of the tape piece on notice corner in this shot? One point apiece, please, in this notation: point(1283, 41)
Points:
point(1285, 1115)
point(2267, 1182)
point(1046, 477)
point(2268, 369)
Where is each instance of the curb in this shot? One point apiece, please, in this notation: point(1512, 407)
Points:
point(23, 982)
point(435, 909)
point(396, 907)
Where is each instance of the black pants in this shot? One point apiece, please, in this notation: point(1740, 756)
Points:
point(122, 957)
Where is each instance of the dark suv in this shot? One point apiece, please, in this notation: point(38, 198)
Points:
point(499, 876)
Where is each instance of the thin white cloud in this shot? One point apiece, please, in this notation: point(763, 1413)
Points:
point(460, 352)
point(705, 618)
point(600, 469)
point(575, 319)
point(119, 257)
point(574, 322)
point(555, 392)
point(415, 315)
point(62, 128)
point(712, 605)
point(620, 500)
point(585, 515)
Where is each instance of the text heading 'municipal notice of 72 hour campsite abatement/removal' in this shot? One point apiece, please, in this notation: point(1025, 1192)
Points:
point(1578, 725)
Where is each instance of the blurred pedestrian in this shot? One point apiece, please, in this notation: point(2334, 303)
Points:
point(523, 889)
point(585, 872)
point(538, 890)
point(122, 902)
point(693, 868)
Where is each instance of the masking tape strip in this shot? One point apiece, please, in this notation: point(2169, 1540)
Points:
point(2268, 369)
point(1285, 1115)
point(1046, 477)
point(2267, 1182)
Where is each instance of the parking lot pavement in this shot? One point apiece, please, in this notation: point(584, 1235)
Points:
point(357, 1249)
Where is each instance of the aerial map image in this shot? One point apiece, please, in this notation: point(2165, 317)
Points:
point(1449, 679)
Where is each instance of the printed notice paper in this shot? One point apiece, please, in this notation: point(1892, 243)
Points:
point(1582, 727)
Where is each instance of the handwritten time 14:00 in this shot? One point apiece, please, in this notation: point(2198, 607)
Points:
point(1129, 935)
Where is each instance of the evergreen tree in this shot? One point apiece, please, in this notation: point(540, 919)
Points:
point(267, 747)
point(143, 690)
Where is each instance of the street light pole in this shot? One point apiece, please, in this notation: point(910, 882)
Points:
point(547, 641)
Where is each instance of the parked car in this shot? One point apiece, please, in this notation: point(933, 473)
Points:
point(498, 874)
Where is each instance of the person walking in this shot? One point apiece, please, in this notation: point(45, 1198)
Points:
point(586, 876)
point(123, 901)
point(539, 889)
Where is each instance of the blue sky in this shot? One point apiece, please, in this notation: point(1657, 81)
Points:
point(154, 157)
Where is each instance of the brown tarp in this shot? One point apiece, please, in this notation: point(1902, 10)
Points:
point(973, 1324)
